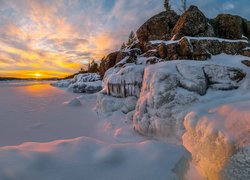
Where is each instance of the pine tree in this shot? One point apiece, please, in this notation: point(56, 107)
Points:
point(167, 5)
point(123, 46)
point(93, 67)
point(183, 5)
point(131, 38)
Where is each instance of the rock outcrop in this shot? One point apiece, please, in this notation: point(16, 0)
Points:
point(228, 26)
point(192, 23)
point(159, 26)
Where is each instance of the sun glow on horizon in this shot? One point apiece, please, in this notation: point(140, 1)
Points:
point(37, 75)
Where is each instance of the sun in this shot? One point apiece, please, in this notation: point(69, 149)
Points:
point(38, 75)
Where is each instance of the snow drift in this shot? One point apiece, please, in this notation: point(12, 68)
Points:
point(86, 158)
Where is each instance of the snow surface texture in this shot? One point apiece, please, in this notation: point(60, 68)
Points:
point(81, 83)
point(124, 81)
point(112, 150)
point(86, 158)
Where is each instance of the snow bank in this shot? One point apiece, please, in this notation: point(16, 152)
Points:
point(81, 83)
point(219, 140)
point(86, 158)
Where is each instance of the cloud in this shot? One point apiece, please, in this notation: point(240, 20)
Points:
point(62, 35)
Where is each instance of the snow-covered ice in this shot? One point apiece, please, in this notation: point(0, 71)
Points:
point(58, 142)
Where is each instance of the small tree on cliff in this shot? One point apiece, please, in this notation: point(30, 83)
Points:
point(123, 46)
point(131, 39)
point(183, 5)
point(93, 67)
point(167, 5)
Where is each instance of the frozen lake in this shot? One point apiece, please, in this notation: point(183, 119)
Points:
point(34, 112)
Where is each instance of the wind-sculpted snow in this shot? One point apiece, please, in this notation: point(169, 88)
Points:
point(82, 83)
point(87, 158)
point(125, 81)
point(219, 140)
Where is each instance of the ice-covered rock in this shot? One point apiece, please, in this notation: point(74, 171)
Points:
point(223, 77)
point(219, 140)
point(82, 83)
point(162, 103)
point(169, 89)
point(62, 83)
point(124, 81)
point(86, 87)
point(129, 104)
point(193, 78)
point(88, 77)
point(107, 103)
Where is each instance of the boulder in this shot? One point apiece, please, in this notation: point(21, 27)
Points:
point(228, 26)
point(192, 23)
point(158, 27)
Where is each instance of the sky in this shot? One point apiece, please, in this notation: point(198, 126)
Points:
point(54, 38)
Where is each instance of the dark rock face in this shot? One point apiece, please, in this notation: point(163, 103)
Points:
point(246, 62)
point(107, 63)
point(162, 51)
point(228, 26)
point(198, 49)
point(192, 23)
point(246, 28)
point(158, 27)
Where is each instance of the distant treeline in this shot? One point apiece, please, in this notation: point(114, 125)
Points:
point(27, 79)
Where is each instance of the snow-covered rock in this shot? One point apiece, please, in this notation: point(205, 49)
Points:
point(82, 83)
point(162, 103)
point(86, 87)
point(73, 102)
point(170, 88)
point(62, 83)
point(125, 81)
point(223, 77)
point(107, 103)
point(193, 78)
point(219, 140)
